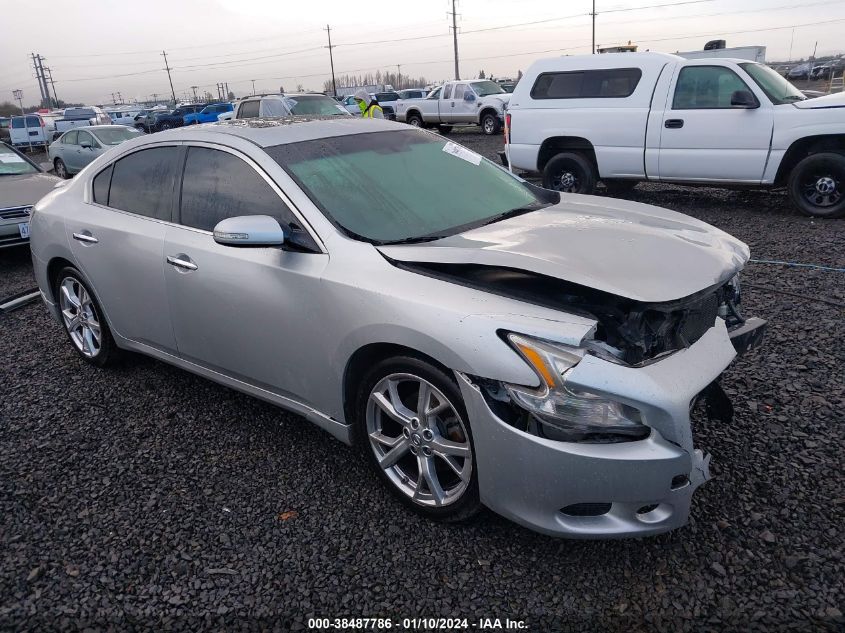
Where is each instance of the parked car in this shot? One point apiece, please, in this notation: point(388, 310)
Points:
point(145, 120)
point(822, 71)
point(5, 132)
point(74, 149)
point(350, 105)
point(652, 116)
point(22, 184)
point(413, 93)
point(208, 114)
point(475, 102)
point(123, 117)
point(175, 118)
point(387, 102)
point(486, 341)
point(30, 129)
point(278, 105)
point(802, 71)
point(80, 117)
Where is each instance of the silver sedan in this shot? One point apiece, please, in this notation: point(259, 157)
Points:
point(74, 149)
point(488, 342)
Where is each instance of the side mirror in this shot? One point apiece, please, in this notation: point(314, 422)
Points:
point(744, 99)
point(468, 96)
point(249, 230)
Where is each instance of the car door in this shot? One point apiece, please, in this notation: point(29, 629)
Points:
point(244, 312)
point(68, 150)
point(446, 105)
point(118, 243)
point(463, 111)
point(704, 137)
point(87, 149)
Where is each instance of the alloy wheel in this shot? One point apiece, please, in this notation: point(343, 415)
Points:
point(61, 170)
point(566, 181)
point(80, 317)
point(489, 125)
point(419, 440)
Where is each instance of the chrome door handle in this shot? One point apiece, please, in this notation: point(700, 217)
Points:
point(85, 237)
point(181, 263)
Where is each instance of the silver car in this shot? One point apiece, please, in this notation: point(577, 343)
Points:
point(73, 150)
point(22, 184)
point(488, 342)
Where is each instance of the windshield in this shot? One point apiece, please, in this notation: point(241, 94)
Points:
point(13, 164)
point(315, 105)
point(778, 89)
point(115, 136)
point(484, 88)
point(399, 186)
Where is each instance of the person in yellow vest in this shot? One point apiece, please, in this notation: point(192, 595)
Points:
point(370, 109)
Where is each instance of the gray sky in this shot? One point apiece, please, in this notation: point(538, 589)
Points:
point(103, 46)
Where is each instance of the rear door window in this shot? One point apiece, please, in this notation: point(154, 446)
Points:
point(248, 109)
point(70, 138)
point(143, 182)
point(101, 186)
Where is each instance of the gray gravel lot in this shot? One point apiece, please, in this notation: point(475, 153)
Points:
point(145, 497)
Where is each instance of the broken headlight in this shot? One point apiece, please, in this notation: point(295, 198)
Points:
point(565, 412)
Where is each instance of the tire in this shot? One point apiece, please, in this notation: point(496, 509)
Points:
point(413, 446)
point(141, 129)
point(570, 172)
point(414, 119)
point(100, 351)
point(166, 126)
point(444, 129)
point(490, 124)
point(817, 185)
point(61, 169)
point(619, 187)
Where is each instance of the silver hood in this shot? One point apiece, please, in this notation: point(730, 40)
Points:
point(25, 189)
point(628, 249)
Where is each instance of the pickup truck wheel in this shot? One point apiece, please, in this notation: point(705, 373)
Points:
point(570, 173)
point(490, 124)
point(415, 120)
point(817, 185)
point(444, 129)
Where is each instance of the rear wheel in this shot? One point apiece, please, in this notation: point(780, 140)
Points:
point(569, 172)
point(166, 125)
point(490, 124)
point(817, 185)
point(83, 319)
point(61, 169)
point(414, 119)
point(414, 428)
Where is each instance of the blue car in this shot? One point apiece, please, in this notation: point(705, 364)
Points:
point(208, 114)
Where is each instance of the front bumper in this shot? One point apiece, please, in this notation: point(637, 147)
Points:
point(648, 483)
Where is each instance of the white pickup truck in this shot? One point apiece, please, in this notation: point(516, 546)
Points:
point(629, 117)
point(471, 102)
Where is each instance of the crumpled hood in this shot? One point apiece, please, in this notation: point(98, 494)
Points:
point(835, 100)
point(26, 189)
point(629, 249)
point(502, 99)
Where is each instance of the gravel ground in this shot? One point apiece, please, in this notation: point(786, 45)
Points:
point(147, 497)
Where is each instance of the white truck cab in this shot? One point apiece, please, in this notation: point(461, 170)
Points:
point(628, 117)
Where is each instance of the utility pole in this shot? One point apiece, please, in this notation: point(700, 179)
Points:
point(113, 100)
point(455, 38)
point(194, 88)
point(119, 98)
point(18, 94)
point(331, 59)
point(35, 59)
point(155, 98)
point(53, 83)
point(593, 14)
point(398, 76)
point(44, 80)
point(791, 40)
point(226, 94)
point(167, 68)
point(253, 87)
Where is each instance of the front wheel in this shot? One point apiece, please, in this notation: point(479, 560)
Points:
point(166, 125)
point(817, 185)
point(414, 428)
point(415, 120)
point(569, 172)
point(83, 319)
point(490, 124)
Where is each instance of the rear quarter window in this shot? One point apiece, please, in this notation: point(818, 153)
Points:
point(130, 183)
point(609, 83)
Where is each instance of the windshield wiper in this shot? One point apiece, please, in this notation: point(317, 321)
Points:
point(513, 213)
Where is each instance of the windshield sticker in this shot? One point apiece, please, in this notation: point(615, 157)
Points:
point(462, 152)
point(11, 158)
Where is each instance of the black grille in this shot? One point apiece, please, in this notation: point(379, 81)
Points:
point(697, 319)
point(14, 212)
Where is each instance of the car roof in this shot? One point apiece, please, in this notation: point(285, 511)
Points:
point(267, 132)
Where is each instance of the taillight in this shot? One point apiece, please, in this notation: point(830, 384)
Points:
point(507, 129)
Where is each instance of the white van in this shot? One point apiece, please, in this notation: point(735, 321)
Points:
point(30, 129)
